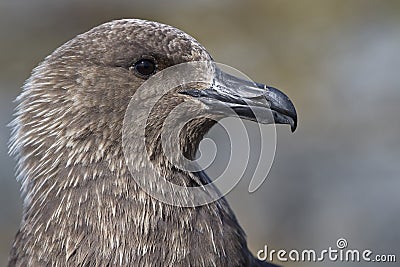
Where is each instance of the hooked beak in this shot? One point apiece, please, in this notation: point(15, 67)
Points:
point(249, 100)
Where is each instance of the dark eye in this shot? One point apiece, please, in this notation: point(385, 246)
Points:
point(145, 67)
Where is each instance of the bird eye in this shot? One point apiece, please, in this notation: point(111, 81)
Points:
point(145, 67)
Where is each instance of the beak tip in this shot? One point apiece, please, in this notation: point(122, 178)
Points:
point(293, 125)
point(282, 104)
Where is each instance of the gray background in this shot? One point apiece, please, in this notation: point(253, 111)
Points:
point(337, 176)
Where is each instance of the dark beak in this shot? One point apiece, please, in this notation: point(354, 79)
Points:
point(249, 100)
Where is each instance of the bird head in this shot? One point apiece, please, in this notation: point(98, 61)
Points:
point(78, 96)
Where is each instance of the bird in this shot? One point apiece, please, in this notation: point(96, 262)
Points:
point(82, 205)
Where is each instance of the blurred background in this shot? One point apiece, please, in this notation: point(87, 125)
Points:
point(338, 176)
